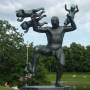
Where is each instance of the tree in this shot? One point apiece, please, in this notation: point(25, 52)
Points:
point(13, 56)
point(11, 42)
point(77, 58)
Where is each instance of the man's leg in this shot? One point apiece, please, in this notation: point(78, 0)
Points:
point(38, 50)
point(59, 73)
point(59, 66)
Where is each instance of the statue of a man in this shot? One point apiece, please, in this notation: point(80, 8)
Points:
point(55, 36)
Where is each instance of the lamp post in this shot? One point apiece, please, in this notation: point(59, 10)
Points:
point(26, 67)
point(28, 74)
point(27, 46)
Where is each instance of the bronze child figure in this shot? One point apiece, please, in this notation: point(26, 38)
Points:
point(35, 16)
point(72, 11)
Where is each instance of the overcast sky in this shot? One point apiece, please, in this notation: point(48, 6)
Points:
point(52, 8)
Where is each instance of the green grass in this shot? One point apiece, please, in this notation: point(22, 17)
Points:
point(79, 81)
point(4, 88)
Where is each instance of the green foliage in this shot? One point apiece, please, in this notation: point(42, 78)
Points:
point(4, 88)
point(13, 56)
point(77, 58)
point(11, 42)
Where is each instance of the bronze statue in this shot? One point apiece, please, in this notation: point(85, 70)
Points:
point(72, 11)
point(55, 35)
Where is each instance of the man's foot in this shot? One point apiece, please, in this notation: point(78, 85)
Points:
point(57, 84)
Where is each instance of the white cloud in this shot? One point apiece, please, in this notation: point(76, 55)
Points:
point(57, 10)
point(9, 6)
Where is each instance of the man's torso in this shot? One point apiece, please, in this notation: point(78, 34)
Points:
point(55, 37)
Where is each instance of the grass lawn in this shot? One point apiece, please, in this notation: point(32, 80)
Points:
point(4, 88)
point(79, 81)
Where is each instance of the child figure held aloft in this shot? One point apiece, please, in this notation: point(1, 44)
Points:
point(34, 18)
point(21, 14)
point(71, 12)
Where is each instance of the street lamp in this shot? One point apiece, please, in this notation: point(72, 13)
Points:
point(26, 67)
point(28, 74)
point(27, 46)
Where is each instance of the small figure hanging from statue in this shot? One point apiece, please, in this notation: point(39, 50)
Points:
point(35, 14)
point(71, 12)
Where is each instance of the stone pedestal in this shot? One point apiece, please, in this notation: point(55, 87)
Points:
point(45, 88)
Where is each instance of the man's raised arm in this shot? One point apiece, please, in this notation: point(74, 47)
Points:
point(72, 27)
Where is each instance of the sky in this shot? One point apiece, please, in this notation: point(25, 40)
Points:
point(52, 8)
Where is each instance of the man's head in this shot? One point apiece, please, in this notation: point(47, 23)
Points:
point(55, 21)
